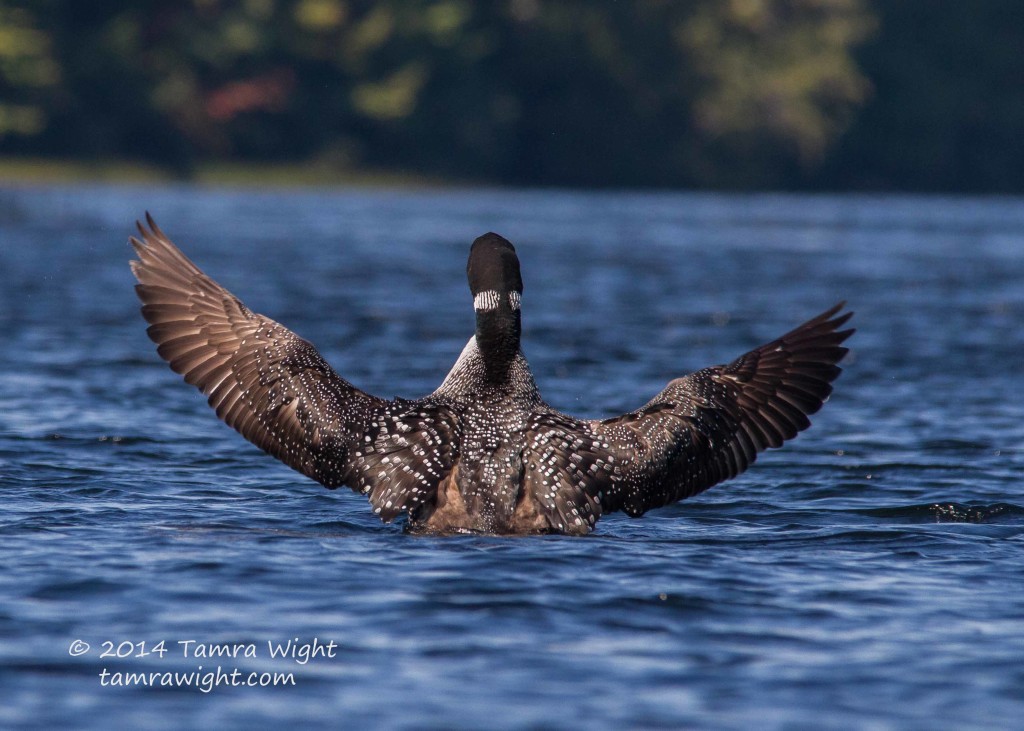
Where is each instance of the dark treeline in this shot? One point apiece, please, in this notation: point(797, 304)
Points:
point(838, 94)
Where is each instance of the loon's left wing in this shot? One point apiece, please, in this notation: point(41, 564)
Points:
point(710, 425)
point(276, 389)
point(700, 430)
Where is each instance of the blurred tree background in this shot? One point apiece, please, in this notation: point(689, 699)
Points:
point(728, 94)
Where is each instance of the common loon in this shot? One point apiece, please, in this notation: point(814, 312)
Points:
point(483, 453)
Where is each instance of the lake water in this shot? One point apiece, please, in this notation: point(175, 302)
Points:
point(869, 575)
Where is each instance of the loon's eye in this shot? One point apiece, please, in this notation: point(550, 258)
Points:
point(487, 300)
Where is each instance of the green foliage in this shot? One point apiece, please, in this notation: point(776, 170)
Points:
point(28, 72)
point(777, 73)
point(726, 93)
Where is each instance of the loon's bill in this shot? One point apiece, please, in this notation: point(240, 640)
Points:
point(483, 453)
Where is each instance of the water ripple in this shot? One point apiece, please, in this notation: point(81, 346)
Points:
point(851, 580)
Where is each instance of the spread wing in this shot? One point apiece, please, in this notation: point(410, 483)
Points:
point(276, 390)
point(700, 430)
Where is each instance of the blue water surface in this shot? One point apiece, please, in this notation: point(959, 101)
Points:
point(869, 575)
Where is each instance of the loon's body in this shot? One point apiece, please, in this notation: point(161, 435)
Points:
point(484, 452)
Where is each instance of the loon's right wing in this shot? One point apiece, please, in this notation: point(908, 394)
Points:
point(277, 391)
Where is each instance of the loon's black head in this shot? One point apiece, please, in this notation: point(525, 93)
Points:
point(497, 286)
point(493, 267)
